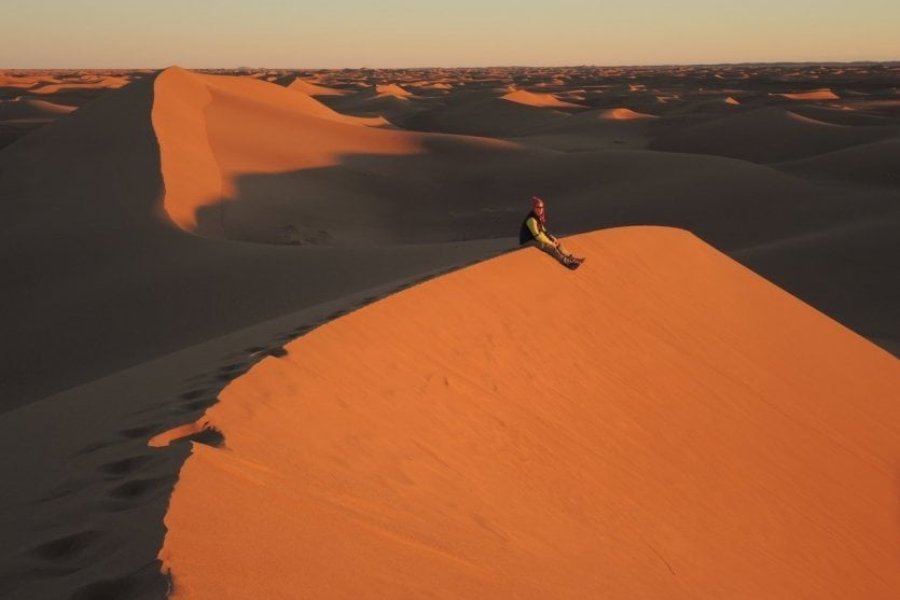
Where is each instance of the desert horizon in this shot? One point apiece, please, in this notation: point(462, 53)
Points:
point(548, 331)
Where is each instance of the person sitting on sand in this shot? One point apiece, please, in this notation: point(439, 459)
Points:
point(534, 230)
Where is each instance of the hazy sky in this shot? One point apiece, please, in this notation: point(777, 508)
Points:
point(410, 33)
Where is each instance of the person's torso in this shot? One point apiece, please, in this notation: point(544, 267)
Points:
point(525, 234)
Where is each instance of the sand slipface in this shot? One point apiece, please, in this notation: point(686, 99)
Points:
point(661, 423)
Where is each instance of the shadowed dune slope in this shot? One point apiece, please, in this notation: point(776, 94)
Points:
point(23, 108)
point(661, 423)
point(766, 135)
point(866, 164)
point(486, 114)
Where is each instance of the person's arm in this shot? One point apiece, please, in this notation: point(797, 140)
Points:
point(539, 235)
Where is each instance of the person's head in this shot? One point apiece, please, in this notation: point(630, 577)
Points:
point(537, 205)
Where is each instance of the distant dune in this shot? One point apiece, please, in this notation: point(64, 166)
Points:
point(624, 114)
point(25, 108)
point(539, 100)
point(679, 427)
point(820, 94)
point(765, 135)
point(312, 89)
point(104, 83)
point(392, 90)
point(866, 164)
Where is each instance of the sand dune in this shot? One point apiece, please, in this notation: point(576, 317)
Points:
point(312, 89)
point(103, 84)
point(22, 81)
point(820, 94)
point(439, 85)
point(483, 114)
point(386, 100)
point(30, 100)
point(106, 198)
point(538, 100)
point(623, 114)
point(842, 115)
point(754, 457)
point(25, 108)
point(392, 90)
point(867, 164)
point(765, 135)
point(119, 325)
point(859, 253)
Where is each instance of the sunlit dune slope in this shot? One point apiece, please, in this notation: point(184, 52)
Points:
point(661, 423)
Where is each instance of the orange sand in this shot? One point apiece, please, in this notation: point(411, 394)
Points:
point(393, 91)
point(662, 423)
point(104, 83)
point(821, 94)
point(539, 100)
point(623, 114)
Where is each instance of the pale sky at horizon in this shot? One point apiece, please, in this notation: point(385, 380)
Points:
point(406, 33)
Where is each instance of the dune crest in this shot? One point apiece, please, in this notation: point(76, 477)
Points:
point(662, 423)
point(538, 99)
